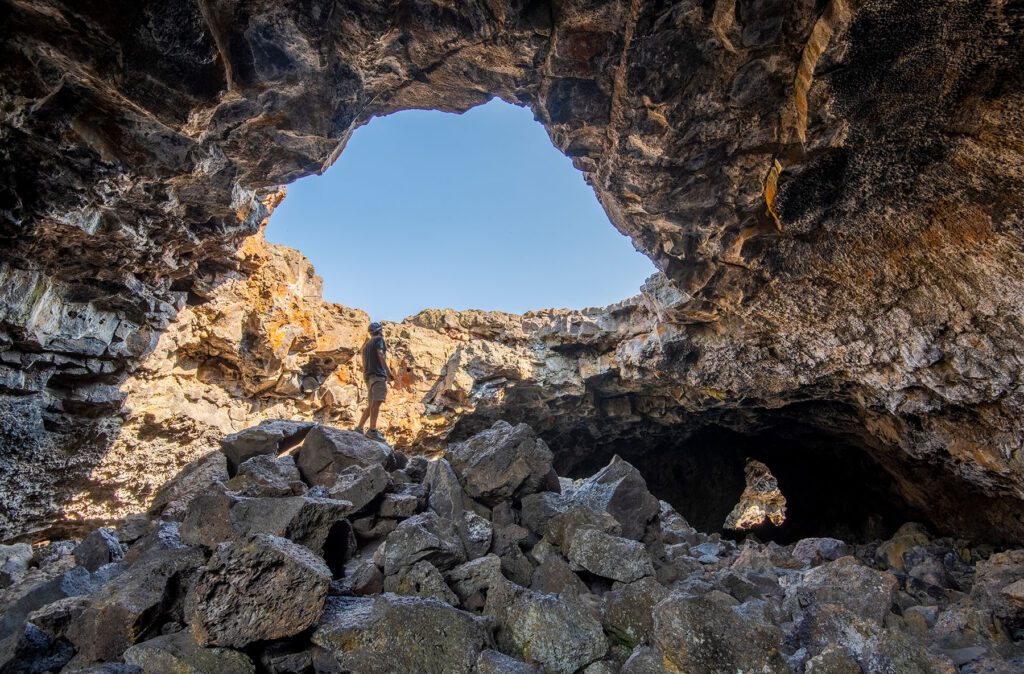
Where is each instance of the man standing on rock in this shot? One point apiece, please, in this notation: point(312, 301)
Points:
point(377, 374)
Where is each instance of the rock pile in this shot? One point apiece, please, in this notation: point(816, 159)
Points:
point(305, 549)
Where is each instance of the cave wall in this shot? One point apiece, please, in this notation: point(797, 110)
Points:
point(832, 190)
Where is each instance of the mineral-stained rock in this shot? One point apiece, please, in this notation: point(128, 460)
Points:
point(700, 635)
point(620, 490)
point(14, 561)
point(53, 619)
point(559, 635)
point(264, 588)
point(865, 592)
point(422, 579)
point(326, 452)
point(359, 484)
point(562, 528)
point(495, 662)
point(127, 610)
point(761, 501)
point(100, 547)
point(179, 653)
point(267, 475)
point(423, 537)
point(608, 556)
point(389, 633)
point(628, 610)
point(908, 536)
point(501, 463)
point(268, 438)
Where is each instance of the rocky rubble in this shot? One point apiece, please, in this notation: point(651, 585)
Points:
point(482, 560)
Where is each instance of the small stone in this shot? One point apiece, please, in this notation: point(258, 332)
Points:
point(264, 588)
point(476, 534)
point(494, 662)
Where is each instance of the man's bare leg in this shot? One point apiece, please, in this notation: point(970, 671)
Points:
point(362, 419)
point(374, 411)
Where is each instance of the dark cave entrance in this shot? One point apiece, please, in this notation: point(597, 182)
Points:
point(832, 482)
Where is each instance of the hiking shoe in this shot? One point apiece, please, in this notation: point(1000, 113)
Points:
point(359, 430)
point(374, 434)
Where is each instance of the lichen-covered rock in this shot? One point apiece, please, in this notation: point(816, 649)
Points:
point(502, 463)
point(179, 653)
point(263, 588)
point(559, 635)
point(389, 633)
point(100, 547)
point(999, 586)
point(14, 561)
point(608, 556)
point(698, 634)
point(629, 610)
point(815, 551)
point(495, 662)
point(422, 579)
point(863, 591)
point(326, 452)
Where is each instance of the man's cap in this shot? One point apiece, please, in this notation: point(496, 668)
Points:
point(376, 327)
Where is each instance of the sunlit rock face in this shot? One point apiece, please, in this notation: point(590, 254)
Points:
point(832, 190)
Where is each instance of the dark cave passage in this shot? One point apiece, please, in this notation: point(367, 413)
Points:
point(833, 485)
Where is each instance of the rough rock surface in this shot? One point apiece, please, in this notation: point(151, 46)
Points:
point(831, 191)
point(410, 596)
point(761, 501)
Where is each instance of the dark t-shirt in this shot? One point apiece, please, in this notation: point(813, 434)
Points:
point(373, 366)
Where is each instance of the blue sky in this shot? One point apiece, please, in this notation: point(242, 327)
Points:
point(475, 211)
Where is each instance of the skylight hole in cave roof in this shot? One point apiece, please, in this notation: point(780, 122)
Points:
point(426, 209)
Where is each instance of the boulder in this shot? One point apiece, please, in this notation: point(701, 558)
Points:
point(998, 587)
point(476, 534)
point(815, 551)
point(538, 510)
point(268, 438)
point(31, 650)
point(620, 490)
point(628, 610)
point(179, 653)
point(446, 496)
point(865, 592)
point(495, 662)
point(471, 580)
point(193, 480)
point(14, 562)
point(698, 634)
point(423, 537)
point(361, 577)
point(398, 506)
point(562, 528)
point(502, 463)
point(128, 610)
point(133, 527)
point(644, 660)
point(558, 634)
point(267, 475)
point(99, 547)
point(359, 485)
point(54, 619)
point(553, 574)
point(263, 588)
point(326, 452)
point(908, 536)
point(422, 579)
point(389, 633)
point(284, 657)
point(609, 556)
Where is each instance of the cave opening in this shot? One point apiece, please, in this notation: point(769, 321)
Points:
point(832, 480)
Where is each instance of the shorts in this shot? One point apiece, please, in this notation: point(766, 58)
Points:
point(377, 388)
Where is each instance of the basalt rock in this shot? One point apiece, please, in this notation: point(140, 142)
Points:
point(830, 190)
point(760, 503)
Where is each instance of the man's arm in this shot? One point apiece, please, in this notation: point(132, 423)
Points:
point(384, 362)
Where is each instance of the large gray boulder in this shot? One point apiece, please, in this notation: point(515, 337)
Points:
point(127, 609)
point(863, 591)
point(698, 634)
point(999, 587)
point(327, 451)
point(495, 662)
point(193, 480)
point(269, 437)
point(99, 547)
point(267, 475)
point(503, 462)
point(620, 490)
point(424, 537)
point(14, 562)
point(389, 633)
point(179, 653)
point(558, 634)
point(629, 610)
point(609, 556)
point(359, 485)
point(422, 579)
point(264, 588)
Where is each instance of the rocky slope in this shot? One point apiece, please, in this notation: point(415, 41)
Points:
point(300, 547)
point(831, 189)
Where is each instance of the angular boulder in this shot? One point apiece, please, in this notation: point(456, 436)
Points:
point(179, 653)
point(267, 475)
point(263, 588)
point(14, 562)
point(389, 633)
point(359, 484)
point(193, 480)
point(609, 556)
point(815, 551)
point(424, 537)
point(269, 437)
point(629, 610)
point(422, 579)
point(999, 586)
point(327, 451)
point(100, 547)
point(620, 490)
point(863, 591)
point(501, 463)
point(495, 662)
